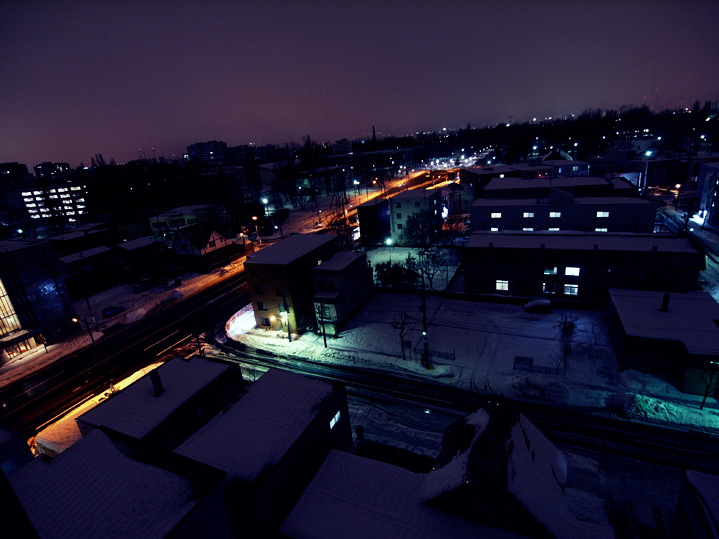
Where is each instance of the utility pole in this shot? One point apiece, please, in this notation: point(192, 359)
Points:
point(425, 359)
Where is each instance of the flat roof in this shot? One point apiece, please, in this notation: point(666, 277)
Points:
point(97, 489)
point(566, 240)
point(339, 262)
point(416, 193)
point(290, 249)
point(689, 318)
point(544, 183)
point(11, 245)
point(578, 201)
point(87, 253)
point(136, 411)
point(139, 243)
point(256, 432)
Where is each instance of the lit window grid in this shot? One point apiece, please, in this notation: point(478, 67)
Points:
point(72, 204)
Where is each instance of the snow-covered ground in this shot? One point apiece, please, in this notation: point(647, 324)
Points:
point(484, 339)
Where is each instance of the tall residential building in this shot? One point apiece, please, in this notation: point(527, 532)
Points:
point(207, 153)
point(51, 170)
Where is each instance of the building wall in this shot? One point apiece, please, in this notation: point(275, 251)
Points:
point(583, 275)
point(636, 217)
point(374, 222)
point(267, 283)
point(354, 285)
point(402, 208)
point(37, 295)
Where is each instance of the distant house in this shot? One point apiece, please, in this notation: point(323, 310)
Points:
point(88, 272)
point(271, 443)
point(167, 406)
point(457, 198)
point(200, 246)
point(578, 266)
point(675, 335)
point(496, 476)
point(343, 284)
point(144, 256)
point(279, 277)
point(411, 204)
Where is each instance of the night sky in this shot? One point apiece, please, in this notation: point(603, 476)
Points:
point(79, 78)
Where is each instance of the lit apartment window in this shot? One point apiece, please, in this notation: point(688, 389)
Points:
point(574, 272)
point(494, 229)
point(397, 204)
point(29, 199)
point(334, 420)
point(496, 215)
point(502, 285)
point(31, 205)
point(601, 230)
point(555, 214)
point(550, 271)
point(75, 188)
point(602, 214)
point(560, 170)
point(26, 193)
point(37, 192)
point(575, 168)
point(571, 289)
point(528, 229)
point(553, 229)
point(62, 190)
point(528, 215)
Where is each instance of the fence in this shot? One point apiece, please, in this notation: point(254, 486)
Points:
point(419, 352)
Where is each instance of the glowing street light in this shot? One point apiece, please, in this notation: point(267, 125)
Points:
point(77, 320)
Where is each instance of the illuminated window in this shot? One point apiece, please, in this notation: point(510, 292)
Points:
point(334, 420)
point(602, 214)
point(528, 215)
point(494, 229)
point(574, 272)
point(601, 230)
point(496, 216)
point(31, 205)
point(62, 190)
point(553, 229)
point(571, 289)
point(399, 216)
point(502, 285)
point(555, 214)
point(37, 192)
point(29, 199)
point(264, 321)
point(261, 306)
point(76, 188)
point(528, 229)
point(550, 271)
point(26, 193)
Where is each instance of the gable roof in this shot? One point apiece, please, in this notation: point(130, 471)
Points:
point(78, 493)
point(198, 235)
point(256, 432)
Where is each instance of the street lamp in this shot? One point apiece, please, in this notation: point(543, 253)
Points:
point(257, 230)
point(77, 320)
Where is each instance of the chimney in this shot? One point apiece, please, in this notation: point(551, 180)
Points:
point(665, 303)
point(156, 382)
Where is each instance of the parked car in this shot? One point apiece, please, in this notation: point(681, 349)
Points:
point(538, 306)
point(109, 312)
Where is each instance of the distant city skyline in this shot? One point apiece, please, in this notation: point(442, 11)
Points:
point(111, 77)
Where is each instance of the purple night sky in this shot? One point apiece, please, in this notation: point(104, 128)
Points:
point(111, 76)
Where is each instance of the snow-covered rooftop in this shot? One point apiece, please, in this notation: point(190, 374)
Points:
point(415, 193)
point(580, 241)
point(339, 262)
point(87, 253)
point(98, 490)
point(543, 183)
point(352, 496)
point(690, 318)
point(256, 432)
point(491, 202)
point(139, 243)
point(290, 249)
point(11, 245)
point(136, 411)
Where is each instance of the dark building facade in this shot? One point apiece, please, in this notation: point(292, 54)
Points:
point(34, 304)
point(576, 266)
point(373, 217)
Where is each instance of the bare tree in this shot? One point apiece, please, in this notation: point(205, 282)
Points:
point(401, 322)
point(418, 229)
point(708, 377)
point(431, 262)
point(321, 312)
